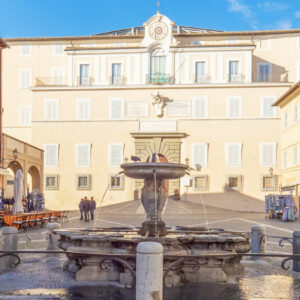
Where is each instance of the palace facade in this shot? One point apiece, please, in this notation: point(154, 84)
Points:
point(195, 95)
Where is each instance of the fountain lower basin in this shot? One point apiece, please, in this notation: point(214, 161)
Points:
point(179, 244)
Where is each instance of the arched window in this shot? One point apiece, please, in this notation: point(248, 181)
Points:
point(158, 62)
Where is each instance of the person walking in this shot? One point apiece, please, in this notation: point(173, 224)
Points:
point(86, 208)
point(92, 207)
point(81, 208)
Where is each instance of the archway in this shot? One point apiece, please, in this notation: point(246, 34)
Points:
point(33, 180)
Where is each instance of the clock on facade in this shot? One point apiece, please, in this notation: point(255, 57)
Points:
point(158, 31)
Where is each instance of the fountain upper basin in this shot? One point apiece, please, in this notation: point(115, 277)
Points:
point(146, 170)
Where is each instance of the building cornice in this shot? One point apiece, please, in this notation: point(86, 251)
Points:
point(159, 87)
point(288, 94)
point(140, 36)
point(142, 135)
point(239, 33)
point(72, 38)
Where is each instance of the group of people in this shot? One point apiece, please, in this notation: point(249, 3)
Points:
point(7, 203)
point(87, 208)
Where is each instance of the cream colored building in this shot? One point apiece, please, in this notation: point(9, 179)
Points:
point(289, 104)
point(89, 103)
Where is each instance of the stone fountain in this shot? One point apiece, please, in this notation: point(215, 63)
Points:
point(181, 245)
point(154, 192)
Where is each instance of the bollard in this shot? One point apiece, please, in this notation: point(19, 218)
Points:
point(149, 271)
point(258, 240)
point(52, 238)
point(9, 242)
point(296, 250)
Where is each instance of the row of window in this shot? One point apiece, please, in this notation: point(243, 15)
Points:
point(290, 117)
point(26, 50)
point(83, 155)
point(234, 183)
point(84, 182)
point(157, 74)
point(233, 152)
point(198, 108)
point(199, 183)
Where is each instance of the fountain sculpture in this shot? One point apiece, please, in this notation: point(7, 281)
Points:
point(181, 245)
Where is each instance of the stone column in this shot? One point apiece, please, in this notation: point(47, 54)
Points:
point(9, 241)
point(258, 240)
point(149, 271)
point(296, 250)
point(52, 238)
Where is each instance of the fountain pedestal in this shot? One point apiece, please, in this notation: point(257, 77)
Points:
point(154, 192)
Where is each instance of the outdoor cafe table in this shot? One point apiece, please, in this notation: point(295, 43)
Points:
point(10, 219)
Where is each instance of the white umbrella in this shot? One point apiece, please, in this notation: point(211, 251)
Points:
point(18, 192)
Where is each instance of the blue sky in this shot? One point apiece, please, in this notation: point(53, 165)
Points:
point(30, 18)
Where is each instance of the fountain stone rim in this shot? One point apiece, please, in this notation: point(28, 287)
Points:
point(144, 170)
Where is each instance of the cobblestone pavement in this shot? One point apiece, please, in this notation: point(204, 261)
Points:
point(39, 275)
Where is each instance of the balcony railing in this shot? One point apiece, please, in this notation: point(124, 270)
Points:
point(159, 79)
point(201, 78)
point(235, 77)
point(50, 81)
point(117, 80)
point(84, 80)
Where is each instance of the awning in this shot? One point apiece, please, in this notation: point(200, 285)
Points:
point(291, 186)
point(4, 171)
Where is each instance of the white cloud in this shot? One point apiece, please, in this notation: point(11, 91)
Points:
point(284, 24)
point(270, 6)
point(237, 6)
point(297, 14)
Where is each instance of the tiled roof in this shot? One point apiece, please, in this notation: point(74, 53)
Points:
point(292, 89)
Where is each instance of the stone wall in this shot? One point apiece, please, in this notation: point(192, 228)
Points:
point(168, 146)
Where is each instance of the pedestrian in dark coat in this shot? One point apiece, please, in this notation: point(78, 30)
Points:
point(93, 207)
point(81, 209)
point(86, 208)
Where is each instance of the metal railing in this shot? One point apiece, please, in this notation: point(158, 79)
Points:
point(159, 79)
point(201, 78)
point(117, 80)
point(128, 261)
point(235, 77)
point(84, 80)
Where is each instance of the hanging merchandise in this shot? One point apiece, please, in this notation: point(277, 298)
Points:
point(281, 207)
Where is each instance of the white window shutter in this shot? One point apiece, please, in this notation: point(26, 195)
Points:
point(58, 49)
point(116, 109)
point(295, 159)
point(234, 154)
point(51, 109)
point(58, 76)
point(24, 115)
point(234, 107)
point(83, 155)
point(25, 78)
point(296, 107)
point(26, 50)
point(268, 154)
point(116, 154)
point(284, 159)
point(199, 107)
point(200, 154)
point(267, 110)
point(51, 155)
point(83, 109)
